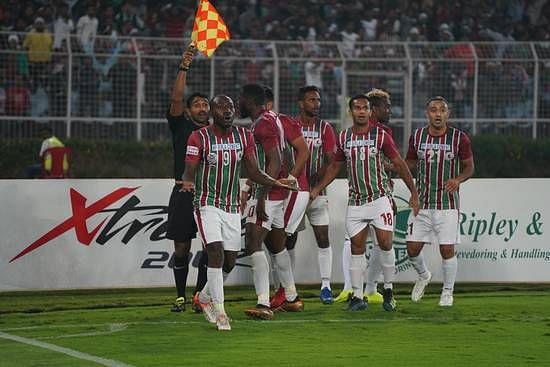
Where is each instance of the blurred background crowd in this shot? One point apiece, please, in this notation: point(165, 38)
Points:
point(109, 79)
point(329, 20)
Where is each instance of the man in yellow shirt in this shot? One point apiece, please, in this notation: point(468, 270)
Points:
point(39, 44)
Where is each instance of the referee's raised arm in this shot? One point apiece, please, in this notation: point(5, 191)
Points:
point(176, 104)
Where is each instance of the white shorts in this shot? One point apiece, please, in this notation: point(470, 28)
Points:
point(317, 211)
point(379, 213)
point(216, 225)
point(442, 224)
point(273, 210)
point(294, 209)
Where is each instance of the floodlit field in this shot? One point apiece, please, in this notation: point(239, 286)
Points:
point(490, 325)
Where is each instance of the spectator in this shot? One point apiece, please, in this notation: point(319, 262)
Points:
point(128, 14)
point(16, 62)
point(86, 28)
point(58, 88)
point(40, 103)
point(154, 27)
point(370, 24)
point(313, 71)
point(88, 86)
point(62, 27)
point(173, 20)
point(39, 43)
point(124, 77)
point(349, 37)
point(107, 23)
point(18, 97)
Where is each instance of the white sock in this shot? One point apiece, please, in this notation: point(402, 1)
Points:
point(292, 254)
point(374, 269)
point(346, 263)
point(449, 272)
point(260, 272)
point(285, 274)
point(325, 266)
point(215, 284)
point(419, 265)
point(357, 268)
point(274, 272)
point(204, 295)
point(387, 261)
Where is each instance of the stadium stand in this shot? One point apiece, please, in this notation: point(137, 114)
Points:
point(102, 70)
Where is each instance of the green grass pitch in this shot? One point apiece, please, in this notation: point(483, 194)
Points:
point(489, 325)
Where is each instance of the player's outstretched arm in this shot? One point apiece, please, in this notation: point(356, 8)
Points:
point(403, 171)
point(330, 174)
point(188, 176)
point(176, 104)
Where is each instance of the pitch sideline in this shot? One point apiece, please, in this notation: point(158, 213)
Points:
point(67, 351)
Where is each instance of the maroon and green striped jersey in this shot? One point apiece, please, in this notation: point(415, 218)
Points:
point(362, 152)
point(437, 160)
point(321, 142)
point(268, 134)
point(219, 157)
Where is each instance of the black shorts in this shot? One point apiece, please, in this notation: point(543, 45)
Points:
point(181, 222)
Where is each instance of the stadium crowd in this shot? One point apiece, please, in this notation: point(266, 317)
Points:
point(374, 20)
point(33, 78)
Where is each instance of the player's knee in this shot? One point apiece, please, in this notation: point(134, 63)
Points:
point(227, 267)
point(215, 254)
point(447, 251)
point(181, 261)
point(357, 248)
point(291, 241)
point(385, 244)
point(182, 248)
point(413, 251)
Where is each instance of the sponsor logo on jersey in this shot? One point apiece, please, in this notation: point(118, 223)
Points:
point(225, 146)
point(434, 146)
point(310, 134)
point(359, 143)
point(192, 150)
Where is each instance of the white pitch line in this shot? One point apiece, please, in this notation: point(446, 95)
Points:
point(67, 351)
point(113, 328)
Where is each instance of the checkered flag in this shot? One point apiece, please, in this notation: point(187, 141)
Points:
point(209, 29)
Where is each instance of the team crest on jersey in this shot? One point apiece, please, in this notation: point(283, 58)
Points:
point(347, 153)
point(449, 156)
point(317, 142)
point(212, 159)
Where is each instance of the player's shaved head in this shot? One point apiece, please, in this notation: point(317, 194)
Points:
point(223, 111)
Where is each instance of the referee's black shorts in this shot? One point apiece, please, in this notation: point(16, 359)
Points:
point(181, 222)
